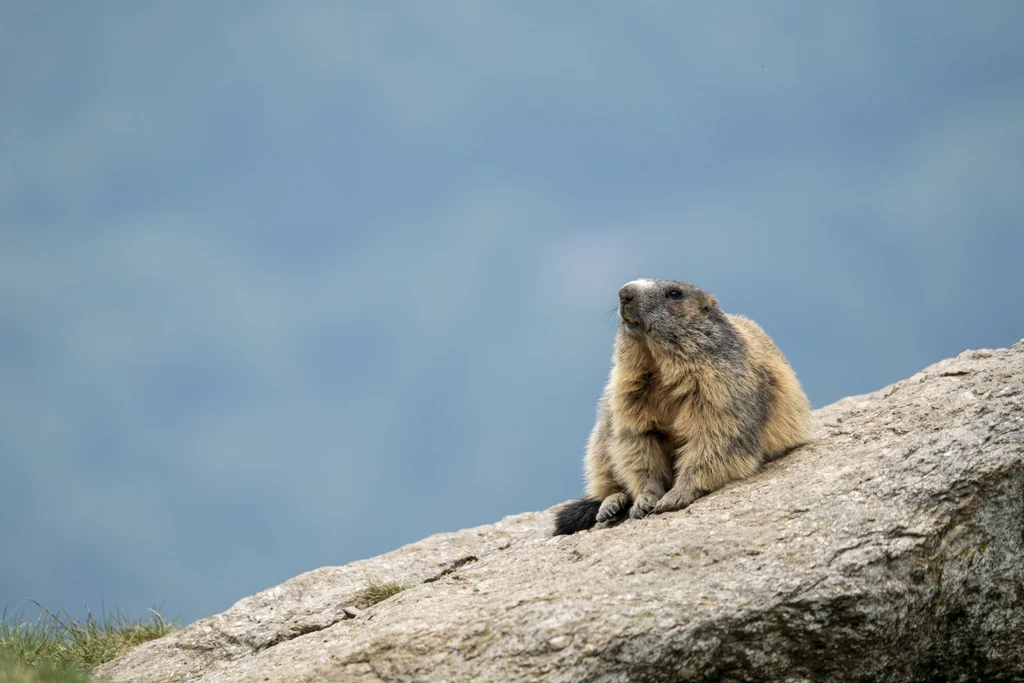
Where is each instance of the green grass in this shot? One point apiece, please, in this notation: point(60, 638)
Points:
point(58, 649)
point(13, 671)
point(376, 591)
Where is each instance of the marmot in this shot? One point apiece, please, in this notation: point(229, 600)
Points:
point(696, 398)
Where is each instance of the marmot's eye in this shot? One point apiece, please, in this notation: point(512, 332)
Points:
point(674, 294)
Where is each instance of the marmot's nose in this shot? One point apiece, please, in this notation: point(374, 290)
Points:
point(626, 294)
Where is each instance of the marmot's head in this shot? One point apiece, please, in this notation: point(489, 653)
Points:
point(668, 312)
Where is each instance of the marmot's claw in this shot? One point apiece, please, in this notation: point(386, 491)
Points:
point(612, 506)
point(674, 500)
point(645, 502)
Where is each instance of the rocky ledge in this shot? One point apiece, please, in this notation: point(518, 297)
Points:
point(890, 549)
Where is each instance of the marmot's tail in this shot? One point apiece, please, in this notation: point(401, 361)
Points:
point(576, 516)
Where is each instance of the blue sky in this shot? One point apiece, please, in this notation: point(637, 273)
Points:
point(289, 285)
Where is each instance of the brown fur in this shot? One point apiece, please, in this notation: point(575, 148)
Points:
point(697, 398)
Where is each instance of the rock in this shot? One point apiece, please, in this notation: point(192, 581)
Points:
point(891, 549)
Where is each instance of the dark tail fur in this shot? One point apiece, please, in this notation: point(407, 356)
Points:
point(576, 516)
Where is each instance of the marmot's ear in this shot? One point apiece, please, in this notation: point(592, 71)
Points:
point(707, 303)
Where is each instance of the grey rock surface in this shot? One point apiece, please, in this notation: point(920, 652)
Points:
point(890, 549)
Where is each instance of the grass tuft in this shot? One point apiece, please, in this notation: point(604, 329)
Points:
point(376, 591)
point(56, 648)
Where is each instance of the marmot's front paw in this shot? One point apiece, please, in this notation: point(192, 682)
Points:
point(676, 499)
point(612, 506)
point(645, 502)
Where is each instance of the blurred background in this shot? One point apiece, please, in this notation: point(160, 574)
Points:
point(285, 285)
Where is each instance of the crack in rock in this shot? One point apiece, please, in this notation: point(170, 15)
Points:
point(302, 630)
point(452, 568)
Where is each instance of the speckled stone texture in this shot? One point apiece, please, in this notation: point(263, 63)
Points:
point(890, 549)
